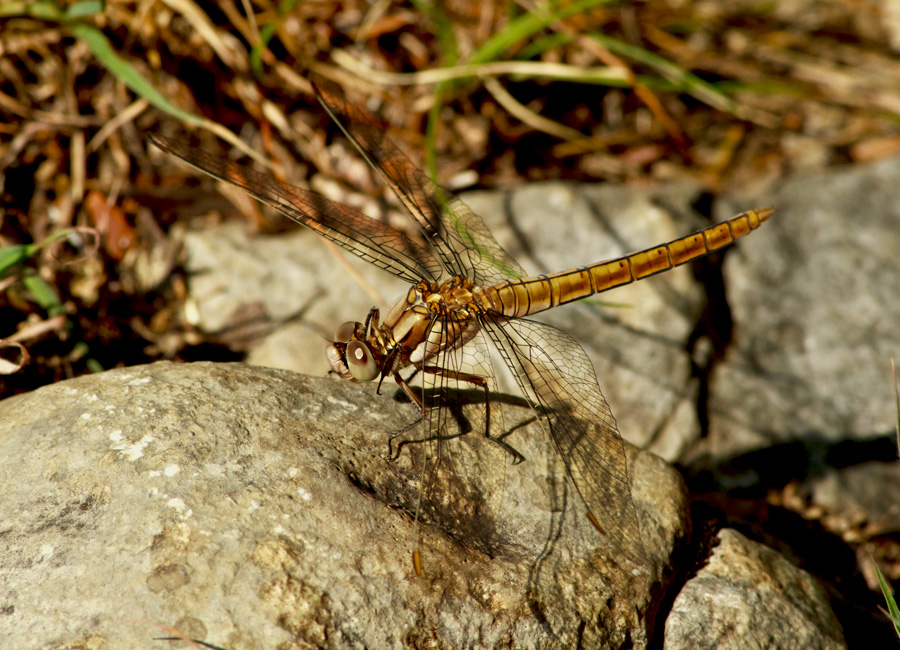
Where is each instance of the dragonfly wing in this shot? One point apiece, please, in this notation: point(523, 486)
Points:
point(361, 235)
point(458, 364)
point(460, 237)
point(558, 379)
point(461, 488)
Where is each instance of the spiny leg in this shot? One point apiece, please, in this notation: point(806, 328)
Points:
point(424, 412)
point(476, 380)
point(411, 393)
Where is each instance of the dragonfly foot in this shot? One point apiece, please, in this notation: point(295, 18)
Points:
point(394, 456)
point(509, 449)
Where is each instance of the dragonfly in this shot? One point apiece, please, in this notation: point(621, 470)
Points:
point(467, 294)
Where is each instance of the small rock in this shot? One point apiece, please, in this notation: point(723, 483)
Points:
point(748, 596)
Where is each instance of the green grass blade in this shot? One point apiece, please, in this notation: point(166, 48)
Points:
point(43, 9)
point(265, 35)
point(43, 294)
point(684, 80)
point(538, 46)
point(447, 38)
point(11, 256)
point(524, 27)
point(443, 29)
point(893, 610)
point(127, 73)
point(434, 119)
point(84, 8)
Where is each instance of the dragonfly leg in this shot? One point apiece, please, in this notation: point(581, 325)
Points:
point(482, 383)
point(411, 393)
point(424, 410)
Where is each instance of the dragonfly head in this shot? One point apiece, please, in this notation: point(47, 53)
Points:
point(349, 354)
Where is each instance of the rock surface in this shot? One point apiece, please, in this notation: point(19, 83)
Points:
point(813, 295)
point(253, 508)
point(748, 596)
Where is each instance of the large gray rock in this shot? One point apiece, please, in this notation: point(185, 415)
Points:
point(814, 298)
point(253, 508)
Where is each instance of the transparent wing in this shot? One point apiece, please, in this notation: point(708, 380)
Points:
point(460, 238)
point(371, 240)
point(458, 367)
point(558, 379)
point(461, 485)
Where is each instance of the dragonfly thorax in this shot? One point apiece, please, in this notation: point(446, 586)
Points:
point(430, 319)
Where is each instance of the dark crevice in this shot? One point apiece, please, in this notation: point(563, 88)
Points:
point(688, 560)
point(706, 345)
point(736, 492)
point(713, 330)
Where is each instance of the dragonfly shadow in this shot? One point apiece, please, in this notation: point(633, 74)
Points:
point(465, 490)
point(458, 405)
point(542, 575)
point(461, 476)
point(573, 565)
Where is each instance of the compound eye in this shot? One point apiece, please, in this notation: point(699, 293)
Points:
point(345, 332)
point(361, 362)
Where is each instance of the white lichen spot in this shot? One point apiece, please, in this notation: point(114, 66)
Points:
point(138, 382)
point(176, 504)
point(254, 506)
point(127, 450)
point(154, 491)
point(306, 496)
point(154, 473)
point(213, 469)
point(342, 403)
point(171, 470)
point(47, 551)
point(85, 416)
